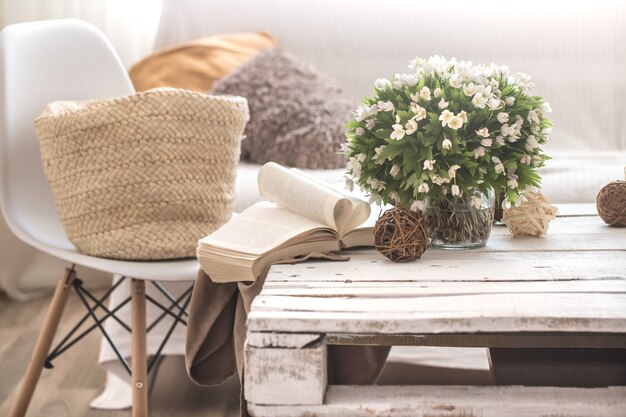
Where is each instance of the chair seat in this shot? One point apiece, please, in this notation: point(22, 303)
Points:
point(165, 270)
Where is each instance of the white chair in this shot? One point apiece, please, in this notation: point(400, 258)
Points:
point(41, 62)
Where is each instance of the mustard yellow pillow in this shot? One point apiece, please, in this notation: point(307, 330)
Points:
point(198, 64)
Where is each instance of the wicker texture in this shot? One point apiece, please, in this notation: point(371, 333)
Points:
point(611, 203)
point(401, 235)
point(144, 176)
point(532, 218)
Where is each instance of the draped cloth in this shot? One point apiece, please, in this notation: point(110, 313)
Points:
point(216, 331)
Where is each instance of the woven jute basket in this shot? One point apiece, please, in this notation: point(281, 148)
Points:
point(144, 176)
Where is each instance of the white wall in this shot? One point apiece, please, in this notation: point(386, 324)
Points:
point(130, 24)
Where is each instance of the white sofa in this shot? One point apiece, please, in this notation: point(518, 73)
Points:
point(574, 53)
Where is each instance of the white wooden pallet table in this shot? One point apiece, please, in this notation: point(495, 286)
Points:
point(567, 289)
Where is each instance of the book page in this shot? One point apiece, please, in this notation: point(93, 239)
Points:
point(260, 228)
point(313, 198)
point(301, 194)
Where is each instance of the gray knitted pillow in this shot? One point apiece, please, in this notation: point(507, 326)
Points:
point(296, 114)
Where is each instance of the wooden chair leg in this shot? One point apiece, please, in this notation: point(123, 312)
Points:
point(44, 341)
point(139, 353)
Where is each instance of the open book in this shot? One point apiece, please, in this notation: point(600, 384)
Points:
point(304, 216)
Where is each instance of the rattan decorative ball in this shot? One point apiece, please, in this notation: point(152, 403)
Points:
point(401, 235)
point(532, 218)
point(611, 203)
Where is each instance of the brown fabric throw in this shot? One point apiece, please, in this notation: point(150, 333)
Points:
point(216, 331)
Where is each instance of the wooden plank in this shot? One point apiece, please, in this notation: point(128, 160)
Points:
point(495, 340)
point(275, 340)
point(286, 375)
point(433, 289)
point(440, 265)
point(447, 401)
point(484, 313)
point(518, 305)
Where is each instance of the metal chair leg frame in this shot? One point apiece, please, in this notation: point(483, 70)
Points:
point(140, 368)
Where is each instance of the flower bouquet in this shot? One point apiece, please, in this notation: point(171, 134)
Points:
point(445, 137)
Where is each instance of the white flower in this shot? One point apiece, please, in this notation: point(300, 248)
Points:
point(417, 205)
point(536, 161)
point(378, 150)
point(475, 201)
point(525, 159)
point(349, 184)
point(436, 179)
point(455, 122)
point(385, 106)
point(411, 127)
point(359, 131)
point(375, 199)
point(354, 166)
point(415, 97)
point(425, 93)
point(370, 124)
point(463, 116)
point(446, 144)
point(456, 191)
point(486, 142)
point(507, 130)
point(478, 152)
point(423, 188)
point(361, 157)
point(499, 167)
point(376, 184)
point(394, 196)
point(381, 84)
point(452, 171)
point(362, 112)
point(373, 110)
point(420, 112)
point(484, 132)
point(395, 170)
point(469, 89)
point(398, 132)
point(503, 117)
point(479, 101)
point(509, 101)
point(399, 81)
point(445, 117)
point(532, 116)
point(442, 104)
point(494, 103)
point(500, 140)
point(428, 164)
point(546, 107)
point(531, 143)
point(437, 92)
point(512, 183)
point(455, 81)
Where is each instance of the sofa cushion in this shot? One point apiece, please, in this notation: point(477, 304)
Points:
point(196, 65)
point(297, 114)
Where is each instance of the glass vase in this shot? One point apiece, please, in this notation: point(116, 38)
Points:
point(460, 222)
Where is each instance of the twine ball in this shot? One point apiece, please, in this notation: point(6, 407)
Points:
point(401, 235)
point(532, 218)
point(611, 203)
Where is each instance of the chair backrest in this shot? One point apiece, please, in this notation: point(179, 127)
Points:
point(41, 62)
